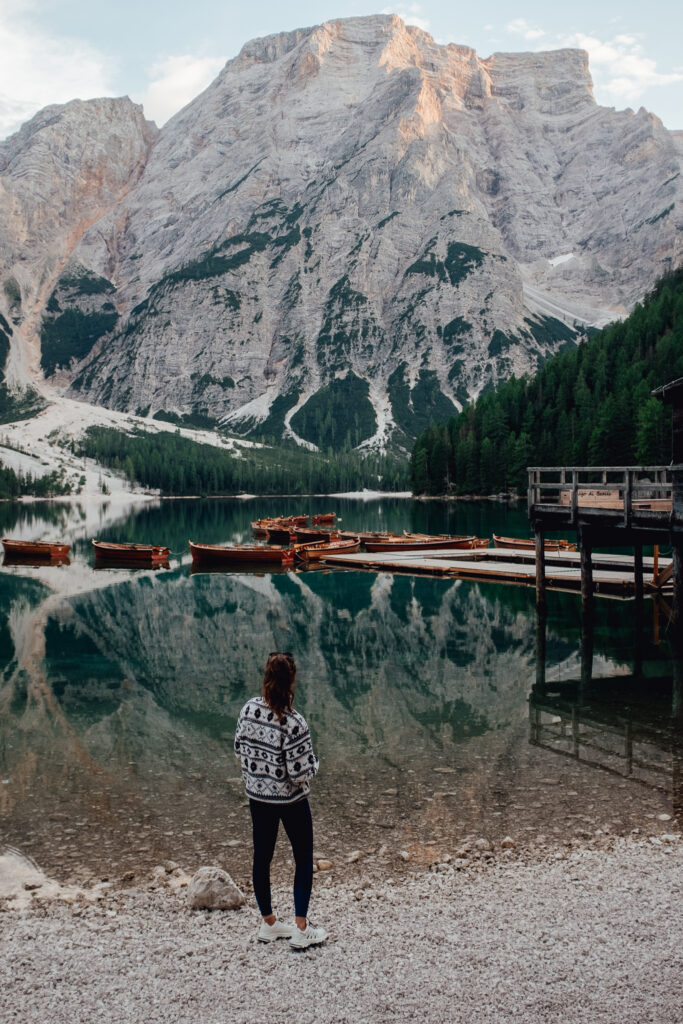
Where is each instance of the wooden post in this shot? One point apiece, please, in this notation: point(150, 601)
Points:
point(638, 571)
point(677, 694)
point(586, 573)
point(628, 496)
point(540, 570)
point(586, 655)
point(540, 649)
point(677, 737)
point(575, 496)
point(677, 610)
point(638, 580)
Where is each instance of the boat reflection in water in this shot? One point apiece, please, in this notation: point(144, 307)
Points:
point(103, 564)
point(241, 569)
point(36, 563)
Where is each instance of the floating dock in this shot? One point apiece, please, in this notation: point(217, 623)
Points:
point(612, 574)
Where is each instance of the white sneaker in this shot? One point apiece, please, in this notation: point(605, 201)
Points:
point(279, 930)
point(310, 936)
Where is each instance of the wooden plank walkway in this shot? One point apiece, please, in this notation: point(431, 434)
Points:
point(610, 572)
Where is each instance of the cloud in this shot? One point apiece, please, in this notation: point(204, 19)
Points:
point(37, 69)
point(521, 27)
point(176, 80)
point(411, 14)
point(621, 69)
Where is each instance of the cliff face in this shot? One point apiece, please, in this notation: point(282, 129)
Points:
point(59, 174)
point(350, 219)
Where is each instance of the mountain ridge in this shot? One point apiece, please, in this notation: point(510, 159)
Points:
point(354, 215)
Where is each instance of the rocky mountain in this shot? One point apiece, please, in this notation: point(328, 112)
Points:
point(352, 230)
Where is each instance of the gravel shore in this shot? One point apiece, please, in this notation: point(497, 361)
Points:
point(596, 936)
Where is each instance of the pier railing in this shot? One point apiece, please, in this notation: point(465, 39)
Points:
point(615, 491)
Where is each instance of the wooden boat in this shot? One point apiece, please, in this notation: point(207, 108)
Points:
point(305, 534)
point(323, 517)
point(254, 554)
point(130, 554)
point(40, 551)
point(419, 544)
point(529, 543)
point(280, 524)
point(279, 534)
point(260, 526)
point(477, 542)
point(367, 536)
point(317, 550)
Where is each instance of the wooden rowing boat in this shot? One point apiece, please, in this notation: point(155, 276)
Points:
point(423, 542)
point(477, 542)
point(306, 534)
point(278, 524)
point(317, 550)
point(365, 537)
point(279, 534)
point(130, 554)
point(528, 543)
point(323, 517)
point(255, 554)
point(35, 549)
point(260, 526)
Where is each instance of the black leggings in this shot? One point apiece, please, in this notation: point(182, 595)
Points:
point(298, 825)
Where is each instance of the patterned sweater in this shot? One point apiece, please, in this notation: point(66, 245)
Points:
point(277, 757)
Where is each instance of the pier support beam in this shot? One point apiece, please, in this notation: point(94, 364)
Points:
point(639, 625)
point(638, 571)
point(541, 633)
point(677, 738)
point(677, 616)
point(586, 573)
point(587, 643)
point(540, 570)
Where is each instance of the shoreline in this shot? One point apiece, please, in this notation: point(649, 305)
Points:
point(100, 498)
point(23, 885)
point(597, 936)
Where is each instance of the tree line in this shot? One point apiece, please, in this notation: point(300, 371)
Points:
point(176, 465)
point(14, 485)
point(588, 406)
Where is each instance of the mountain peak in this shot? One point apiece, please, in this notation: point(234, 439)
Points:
point(353, 226)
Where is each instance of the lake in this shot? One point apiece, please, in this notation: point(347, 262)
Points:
point(434, 720)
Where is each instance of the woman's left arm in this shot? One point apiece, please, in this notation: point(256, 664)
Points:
point(297, 745)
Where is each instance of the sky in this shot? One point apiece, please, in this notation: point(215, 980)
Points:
point(162, 54)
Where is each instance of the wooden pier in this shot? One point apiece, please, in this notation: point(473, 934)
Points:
point(612, 574)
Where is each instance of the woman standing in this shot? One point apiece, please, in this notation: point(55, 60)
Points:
point(274, 745)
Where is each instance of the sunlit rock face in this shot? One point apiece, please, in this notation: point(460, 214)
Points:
point(351, 217)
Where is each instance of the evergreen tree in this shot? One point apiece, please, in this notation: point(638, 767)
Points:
point(591, 405)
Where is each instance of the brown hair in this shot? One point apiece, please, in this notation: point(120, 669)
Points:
point(278, 682)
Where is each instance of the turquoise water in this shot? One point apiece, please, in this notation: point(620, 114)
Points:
point(434, 720)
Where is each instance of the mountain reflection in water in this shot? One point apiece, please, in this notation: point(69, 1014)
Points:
point(434, 725)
